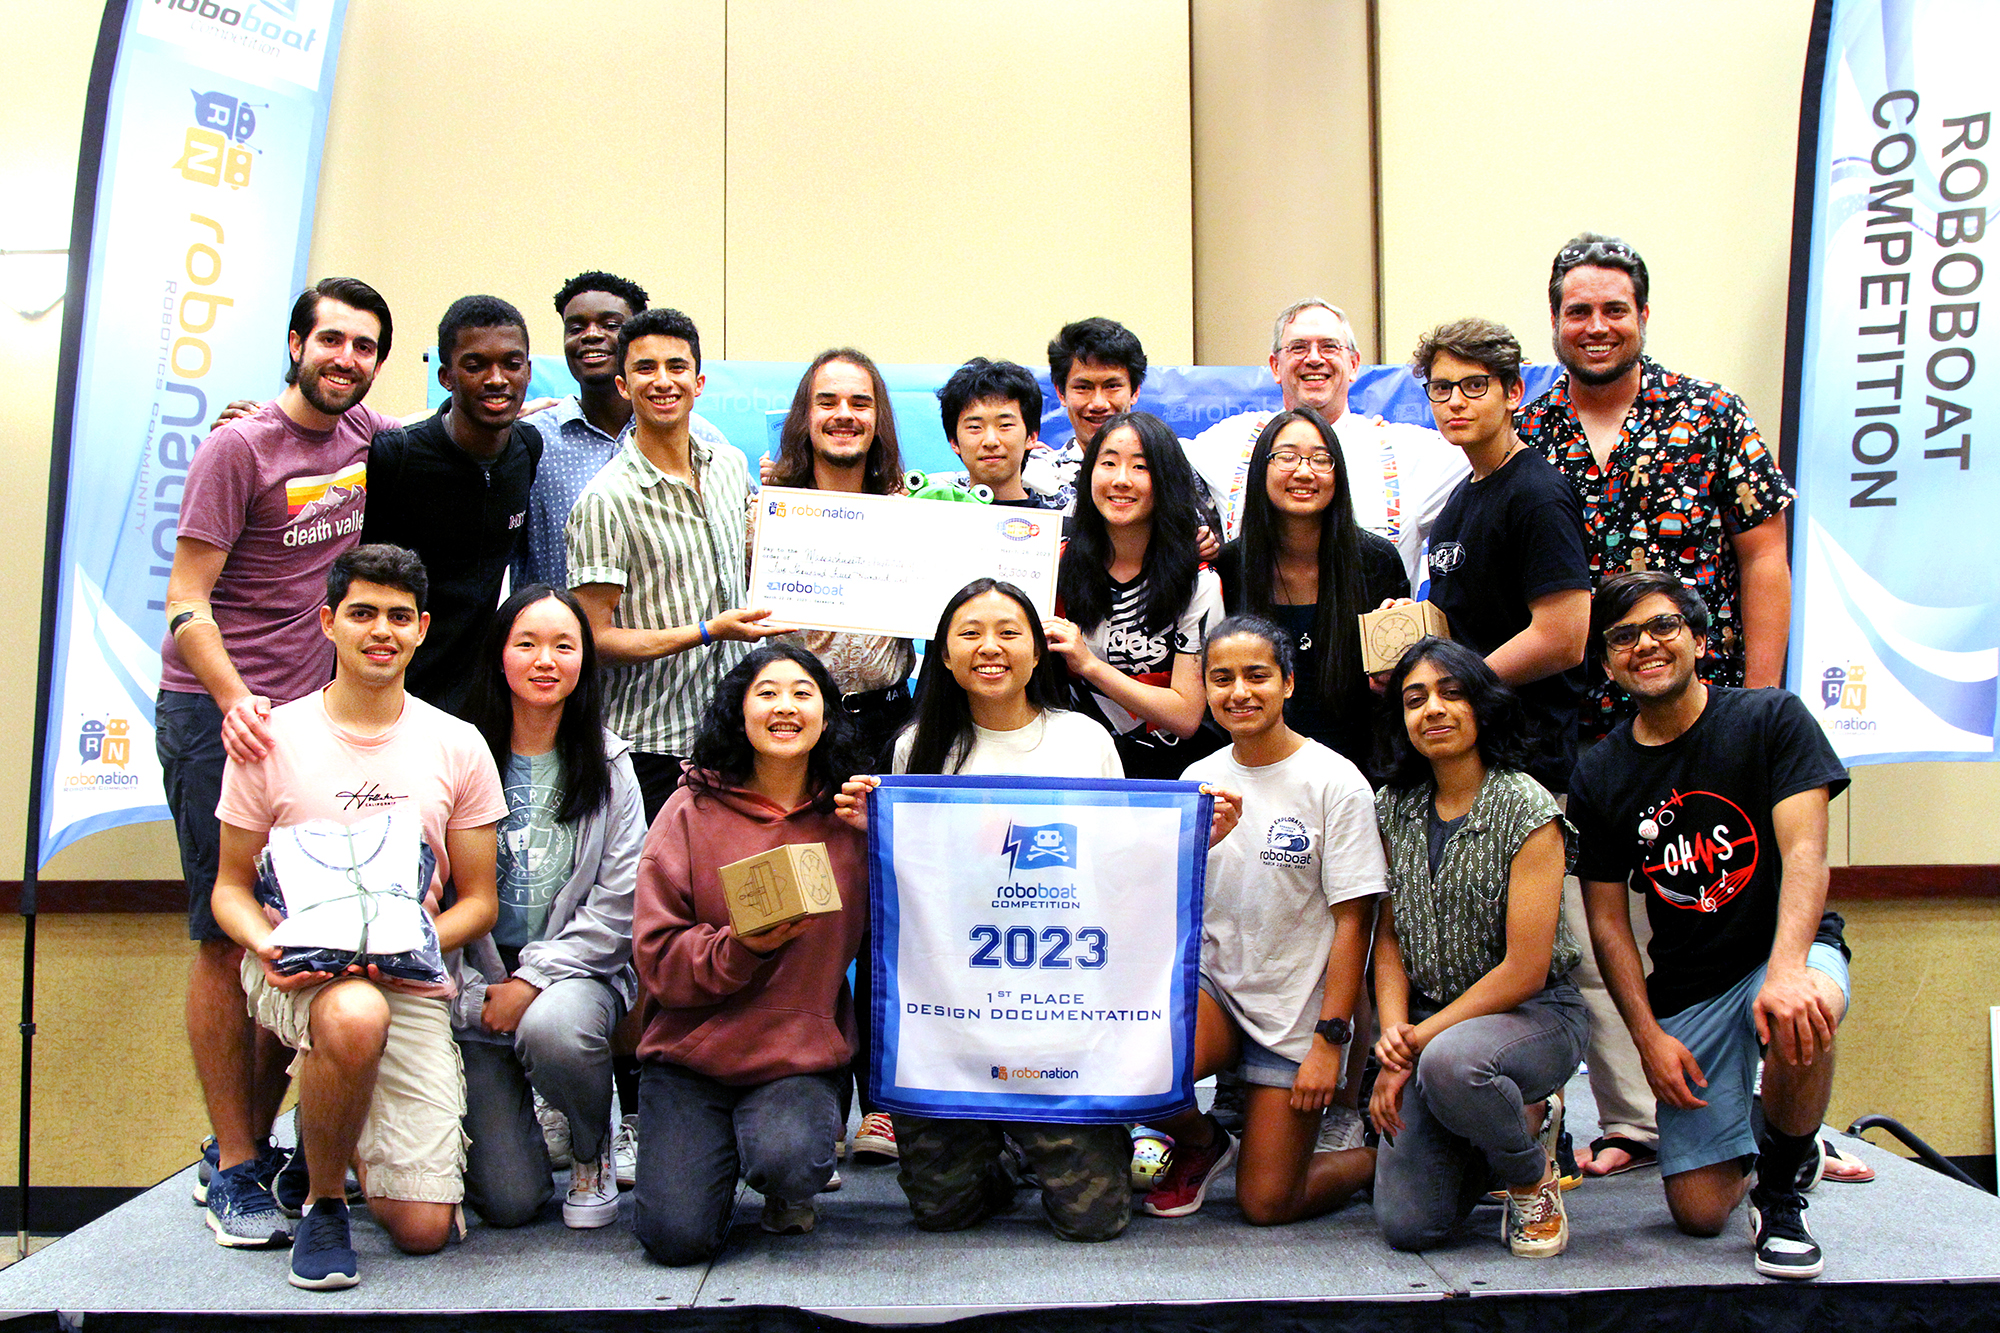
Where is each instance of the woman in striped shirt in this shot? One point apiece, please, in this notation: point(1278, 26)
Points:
point(1479, 1019)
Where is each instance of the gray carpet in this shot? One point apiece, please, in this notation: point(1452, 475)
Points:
point(866, 1262)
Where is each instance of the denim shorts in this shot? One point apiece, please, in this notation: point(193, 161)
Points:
point(1257, 1064)
point(1721, 1034)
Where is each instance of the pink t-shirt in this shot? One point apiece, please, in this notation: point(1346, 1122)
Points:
point(429, 761)
point(283, 501)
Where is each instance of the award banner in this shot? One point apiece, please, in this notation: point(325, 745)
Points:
point(1036, 946)
point(1896, 613)
point(887, 564)
point(194, 208)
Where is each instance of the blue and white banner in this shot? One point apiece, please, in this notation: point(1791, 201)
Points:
point(1896, 617)
point(200, 214)
point(1036, 946)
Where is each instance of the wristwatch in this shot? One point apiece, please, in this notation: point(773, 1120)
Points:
point(1337, 1031)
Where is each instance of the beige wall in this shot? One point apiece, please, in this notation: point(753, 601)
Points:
point(786, 213)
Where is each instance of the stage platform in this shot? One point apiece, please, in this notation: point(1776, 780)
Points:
point(1910, 1250)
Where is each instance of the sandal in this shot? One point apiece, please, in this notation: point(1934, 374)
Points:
point(1636, 1154)
point(1843, 1168)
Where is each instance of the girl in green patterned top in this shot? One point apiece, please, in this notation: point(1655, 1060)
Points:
point(1472, 959)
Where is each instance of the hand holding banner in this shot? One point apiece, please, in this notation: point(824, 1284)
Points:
point(1036, 945)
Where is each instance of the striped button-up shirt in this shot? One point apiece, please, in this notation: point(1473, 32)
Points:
point(678, 553)
point(1452, 929)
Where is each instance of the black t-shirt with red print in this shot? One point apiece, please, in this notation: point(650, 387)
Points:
point(1688, 825)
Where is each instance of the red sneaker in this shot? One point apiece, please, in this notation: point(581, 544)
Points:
point(1189, 1175)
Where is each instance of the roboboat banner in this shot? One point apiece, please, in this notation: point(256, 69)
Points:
point(194, 211)
point(1036, 946)
point(1895, 382)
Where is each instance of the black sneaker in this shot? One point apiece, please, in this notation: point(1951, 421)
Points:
point(323, 1257)
point(1785, 1246)
point(1228, 1106)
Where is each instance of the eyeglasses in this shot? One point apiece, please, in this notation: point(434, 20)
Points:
point(1661, 628)
point(1472, 386)
point(1572, 255)
point(1300, 348)
point(1285, 460)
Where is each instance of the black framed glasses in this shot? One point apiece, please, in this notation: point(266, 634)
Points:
point(1572, 255)
point(1661, 629)
point(1472, 386)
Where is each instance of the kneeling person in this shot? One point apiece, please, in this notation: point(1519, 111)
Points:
point(1712, 803)
point(378, 1072)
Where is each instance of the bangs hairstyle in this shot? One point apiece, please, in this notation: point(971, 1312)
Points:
point(1083, 580)
point(659, 322)
point(348, 291)
point(1482, 342)
point(942, 728)
point(883, 474)
point(597, 280)
point(1098, 342)
point(1341, 592)
point(1618, 594)
point(980, 380)
point(586, 770)
point(722, 756)
point(1256, 627)
point(1505, 738)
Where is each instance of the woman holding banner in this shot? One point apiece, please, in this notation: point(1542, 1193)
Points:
point(747, 1037)
point(1133, 597)
point(1472, 959)
point(1284, 944)
point(1305, 564)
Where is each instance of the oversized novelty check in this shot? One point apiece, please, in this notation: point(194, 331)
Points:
point(884, 564)
point(1036, 945)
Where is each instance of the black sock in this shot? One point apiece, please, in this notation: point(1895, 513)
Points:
point(625, 1077)
point(1783, 1155)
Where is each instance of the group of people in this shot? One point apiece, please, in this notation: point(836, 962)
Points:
point(586, 754)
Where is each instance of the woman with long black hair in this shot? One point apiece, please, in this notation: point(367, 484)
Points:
point(1134, 599)
point(1303, 563)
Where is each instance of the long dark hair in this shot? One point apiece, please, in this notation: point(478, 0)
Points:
point(586, 771)
point(1172, 558)
point(1506, 738)
point(722, 755)
point(883, 472)
point(1341, 592)
point(941, 731)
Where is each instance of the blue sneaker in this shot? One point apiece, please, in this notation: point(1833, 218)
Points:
point(323, 1257)
point(269, 1159)
point(242, 1213)
point(291, 1187)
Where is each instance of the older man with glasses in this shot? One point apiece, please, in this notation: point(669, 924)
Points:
point(1672, 476)
point(1401, 474)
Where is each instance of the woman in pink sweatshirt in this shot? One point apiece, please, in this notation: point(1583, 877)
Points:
point(747, 1037)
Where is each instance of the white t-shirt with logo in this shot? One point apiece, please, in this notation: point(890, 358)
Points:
point(1307, 840)
point(1401, 475)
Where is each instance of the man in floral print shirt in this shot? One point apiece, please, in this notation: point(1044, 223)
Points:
point(1672, 476)
point(1670, 470)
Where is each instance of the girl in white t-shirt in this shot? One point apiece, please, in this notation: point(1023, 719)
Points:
point(1285, 928)
point(1134, 597)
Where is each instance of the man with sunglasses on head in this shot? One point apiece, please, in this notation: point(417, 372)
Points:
point(1672, 476)
point(1711, 804)
point(1401, 474)
point(1507, 563)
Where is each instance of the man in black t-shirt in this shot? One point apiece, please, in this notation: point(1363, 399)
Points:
point(1712, 804)
point(454, 488)
point(1507, 560)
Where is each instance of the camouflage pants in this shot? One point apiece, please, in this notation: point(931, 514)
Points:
point(958, 1173)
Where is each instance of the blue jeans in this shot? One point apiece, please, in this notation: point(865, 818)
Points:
point(563, 1051)
point(696, 1136)
point(1462, 1120)
point(187, 735)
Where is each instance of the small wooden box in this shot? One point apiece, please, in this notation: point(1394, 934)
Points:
point(780, 885)
point(1385, 634)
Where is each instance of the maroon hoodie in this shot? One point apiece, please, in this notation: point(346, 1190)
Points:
point(712, 1004)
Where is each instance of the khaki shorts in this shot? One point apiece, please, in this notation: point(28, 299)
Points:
point(412, 1144)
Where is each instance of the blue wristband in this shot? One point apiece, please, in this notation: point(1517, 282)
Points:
point(706, 639)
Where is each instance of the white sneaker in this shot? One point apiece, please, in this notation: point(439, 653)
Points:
point(592, 1200)
point(625, 1151)
point(555, 1133)
point(1341, 1129)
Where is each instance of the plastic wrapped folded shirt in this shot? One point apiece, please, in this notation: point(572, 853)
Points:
point(352, 895)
